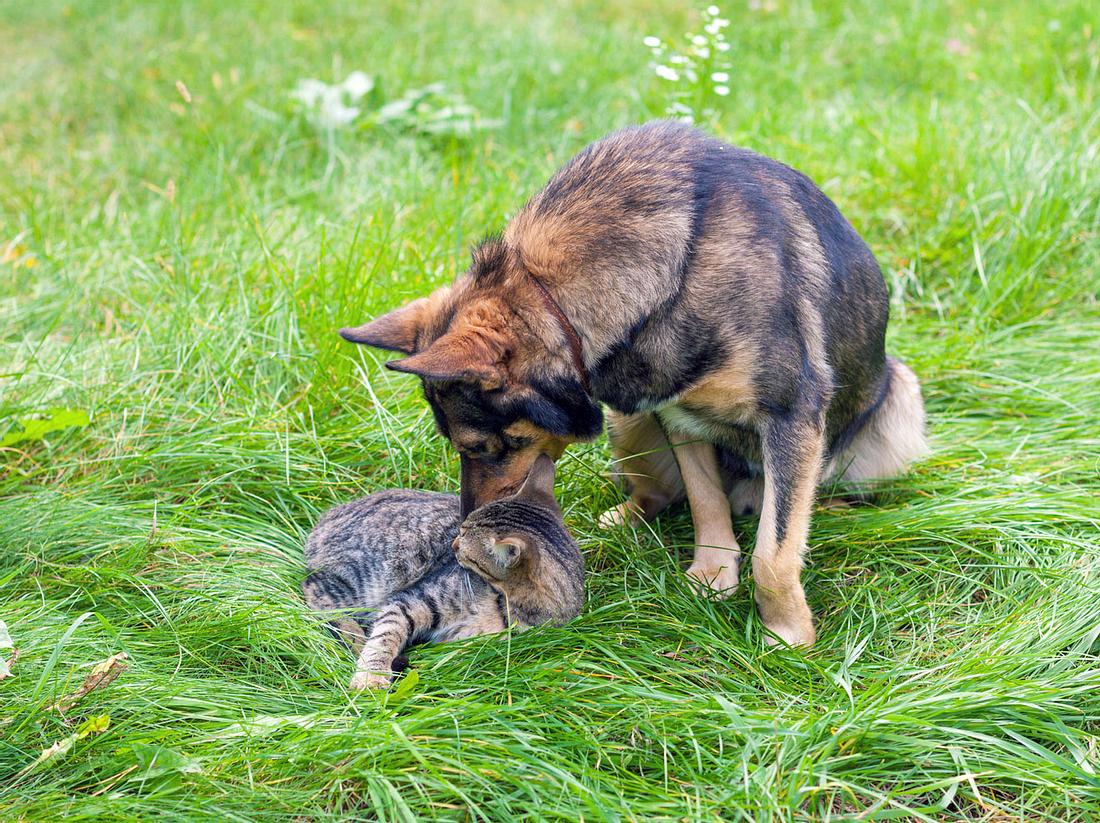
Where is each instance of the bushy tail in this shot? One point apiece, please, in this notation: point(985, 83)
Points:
point(893, 437)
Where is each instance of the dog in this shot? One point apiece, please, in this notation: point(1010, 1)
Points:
point(722, 309)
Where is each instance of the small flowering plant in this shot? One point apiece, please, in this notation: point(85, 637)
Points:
point(332, 106)
point(357, 102)
point(433, 110)
point(699, 73)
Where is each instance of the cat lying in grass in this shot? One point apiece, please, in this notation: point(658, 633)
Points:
point(412, 571)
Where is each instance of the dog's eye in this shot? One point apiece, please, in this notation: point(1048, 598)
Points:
point(484, 450)
point(517, 443)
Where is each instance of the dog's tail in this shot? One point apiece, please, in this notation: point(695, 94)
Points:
point(892, 432)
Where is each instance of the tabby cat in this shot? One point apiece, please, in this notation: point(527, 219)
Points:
point(406, 569)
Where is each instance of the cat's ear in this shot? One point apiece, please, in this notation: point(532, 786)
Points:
point(539, 486)
point(509, 550)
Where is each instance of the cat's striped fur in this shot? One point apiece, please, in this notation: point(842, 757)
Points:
point(404, 570)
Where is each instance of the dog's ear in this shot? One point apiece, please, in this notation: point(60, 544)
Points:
point(455, 356)
point(539, 486)
point(395, 331)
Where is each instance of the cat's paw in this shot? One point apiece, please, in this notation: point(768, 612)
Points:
point(370, 680)
point(715, 581)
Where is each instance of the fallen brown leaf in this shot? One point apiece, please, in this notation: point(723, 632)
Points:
point(102, 675)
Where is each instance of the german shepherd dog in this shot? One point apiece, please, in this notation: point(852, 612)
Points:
point(718, 304)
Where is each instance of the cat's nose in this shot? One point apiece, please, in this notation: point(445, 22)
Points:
point(454, 545)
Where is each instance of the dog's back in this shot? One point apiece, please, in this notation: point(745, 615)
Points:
point(687, 258)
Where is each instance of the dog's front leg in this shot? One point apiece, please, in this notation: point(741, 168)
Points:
point(717, 554)
point(793, 449)
point(645, 463)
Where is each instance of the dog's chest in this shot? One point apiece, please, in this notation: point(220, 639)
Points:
point(680, 421)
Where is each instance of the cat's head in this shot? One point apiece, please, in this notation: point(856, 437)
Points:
point(520, 544)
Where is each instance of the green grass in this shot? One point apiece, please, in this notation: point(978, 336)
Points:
point(956, 675)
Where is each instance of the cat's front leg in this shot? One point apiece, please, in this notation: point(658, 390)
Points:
point(363, 680)
point(392, 630)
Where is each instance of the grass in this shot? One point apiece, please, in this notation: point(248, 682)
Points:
point(957, 672)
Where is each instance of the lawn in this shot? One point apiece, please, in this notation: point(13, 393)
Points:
point(178, 245)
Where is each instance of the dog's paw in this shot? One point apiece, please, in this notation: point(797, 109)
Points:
point(370, 680)
point(714, 581)
point(618, 516)
point(797, 631)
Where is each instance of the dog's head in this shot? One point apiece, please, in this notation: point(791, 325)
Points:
point(498, 391)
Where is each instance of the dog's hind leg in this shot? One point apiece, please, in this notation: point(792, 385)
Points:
point(644, 464)
point(793, 447)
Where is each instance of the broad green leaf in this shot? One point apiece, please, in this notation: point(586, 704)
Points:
point(155, 761)
point(406, 685)
point(35, 428)
point(93, 725)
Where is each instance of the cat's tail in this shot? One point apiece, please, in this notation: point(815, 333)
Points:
point(326, 591)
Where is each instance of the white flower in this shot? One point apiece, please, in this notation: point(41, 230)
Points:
point(720, 77)
point(667, 73)
point(722, 46)
point(681, 112)
point(713, 11)
point(357, 84)
point(701, 51)
point(309, 91)
point(328, 106)
point(721, 91)
point(698, 40)
point(652, 42)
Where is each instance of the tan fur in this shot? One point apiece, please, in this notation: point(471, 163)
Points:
point(545, 442)
point(777, 564)
point(499, 479)
point(893, 437)
point(404, 329)
point(646, 465)
point(717, 555)
point(729, 390)
point(604, 295)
